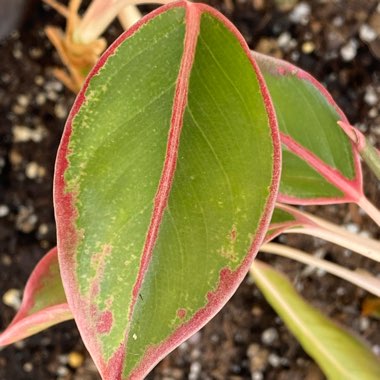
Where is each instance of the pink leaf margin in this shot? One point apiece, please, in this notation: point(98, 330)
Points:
point(25, 324)
point(352, 189)
point(68, 236)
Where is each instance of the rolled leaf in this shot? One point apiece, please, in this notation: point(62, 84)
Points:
point(165, 183)
point(320, 162)
point(339, 354)
point(44, 302)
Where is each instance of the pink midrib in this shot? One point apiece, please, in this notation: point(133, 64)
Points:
point(351, 188)
point(178, 111)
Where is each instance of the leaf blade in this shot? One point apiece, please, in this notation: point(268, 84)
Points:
point(343, 357)
point(321, 164)
point(44, 302)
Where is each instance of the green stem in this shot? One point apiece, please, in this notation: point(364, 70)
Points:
point(372, 158)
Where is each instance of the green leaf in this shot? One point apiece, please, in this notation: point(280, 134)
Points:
point(340, 355)
point(165, 182)
point(320, 163)
point(44, 302)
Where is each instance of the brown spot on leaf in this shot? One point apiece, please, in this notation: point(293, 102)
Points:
point(181, 313)
point(104, 322)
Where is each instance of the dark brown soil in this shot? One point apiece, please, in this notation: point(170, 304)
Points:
point(246, 340)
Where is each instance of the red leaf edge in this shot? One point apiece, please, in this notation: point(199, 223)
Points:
point(19, 327)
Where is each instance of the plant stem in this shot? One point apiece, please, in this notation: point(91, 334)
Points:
point(100, 14)
point(370, 209)
point(364, 246)
point(362, 279)
point(317, 227)
point(372, 158)
point(367, 151)
point(128, 16)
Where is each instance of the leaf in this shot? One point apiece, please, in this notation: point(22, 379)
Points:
point(320, 164)
point(339, 354)
point(44, 303)
point(165, 183)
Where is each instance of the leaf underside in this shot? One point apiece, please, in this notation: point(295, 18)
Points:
point(320, 164)
point(44, 303)
point(339, 354)
point(166, 178)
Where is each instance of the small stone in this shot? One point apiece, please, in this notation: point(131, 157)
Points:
point(26, 219)
point(6, 260)
point(17, 53)
point(35, 52)
point(6, 77)
point(257, 375)
point(284, 39)
point(4, 211)
point(15, 158)
point(308, 47)
point(62, 371)
point(300, 14)
point(364, 324)
point(320, 272)
point(28, 367)
point(33, 170)
point(340, 291)
point(274, 360)
point(338, 21)
point(60, 111)
point(18, 109)
point(24, 134)
point(23, 100)
point(349, 51)
point(373, 113)
point(269, 46)
point(40, 99)
point(195, 339)
point(370, 96)
point(12, 298)
point(376, 349)
point(258, 358)
point(257, 311)
point(195, 354)
point(258, 4)
point(43, 229)
point(63, 359)
point(39, 80)
point(52, 95)
point(75, 359)
point(367, 34)
point(195, 370)
point(20, 345)
point(269, 336)
point(352, 227)
point(285, 5)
